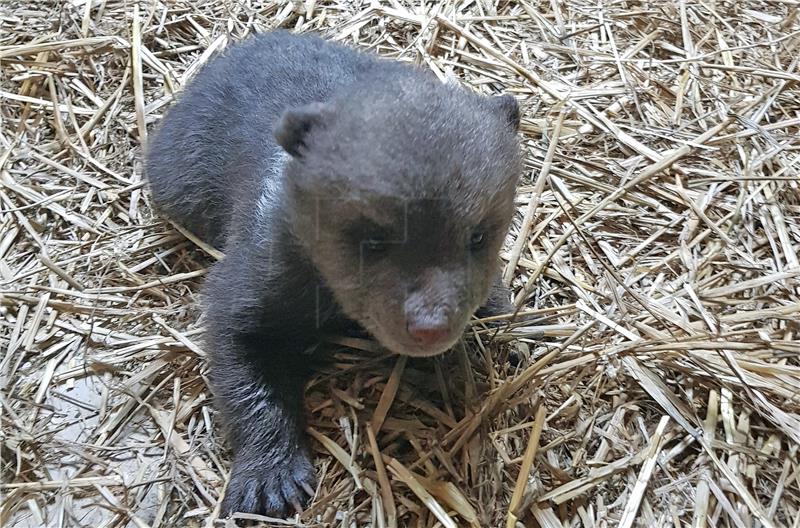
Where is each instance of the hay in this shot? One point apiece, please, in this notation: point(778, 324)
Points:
point(657, 237)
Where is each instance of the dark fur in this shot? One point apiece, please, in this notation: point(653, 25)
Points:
point(374, 218)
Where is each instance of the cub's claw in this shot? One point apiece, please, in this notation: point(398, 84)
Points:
point(274, 486)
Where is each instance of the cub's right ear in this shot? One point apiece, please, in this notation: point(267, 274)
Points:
point(508, 107)
point(294, 126)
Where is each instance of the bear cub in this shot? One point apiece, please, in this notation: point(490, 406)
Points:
point(343, 188)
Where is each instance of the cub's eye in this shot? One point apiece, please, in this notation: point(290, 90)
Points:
point(376, 244)
point(369, 237)
point(477, 240)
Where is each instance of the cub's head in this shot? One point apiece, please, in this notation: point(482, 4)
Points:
point(402, 192)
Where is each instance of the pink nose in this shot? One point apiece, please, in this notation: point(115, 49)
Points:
point(428, 335)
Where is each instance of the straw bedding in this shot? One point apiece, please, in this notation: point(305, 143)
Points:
point(657, 240)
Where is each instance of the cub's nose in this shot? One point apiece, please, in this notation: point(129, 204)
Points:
point(429, 332)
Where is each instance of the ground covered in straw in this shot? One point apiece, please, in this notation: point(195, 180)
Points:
point(657, 237)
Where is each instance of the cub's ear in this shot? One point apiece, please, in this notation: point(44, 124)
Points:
point(295, 124)
point(507, 106)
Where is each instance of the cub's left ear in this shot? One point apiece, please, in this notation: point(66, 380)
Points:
point(507, 106)
point(295, 126)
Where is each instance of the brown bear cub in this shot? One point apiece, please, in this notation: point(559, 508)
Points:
point(343, 188)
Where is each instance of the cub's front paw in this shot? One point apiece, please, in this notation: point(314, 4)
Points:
point(270, 485)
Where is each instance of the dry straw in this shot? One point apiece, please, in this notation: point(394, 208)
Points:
point(660, 386)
